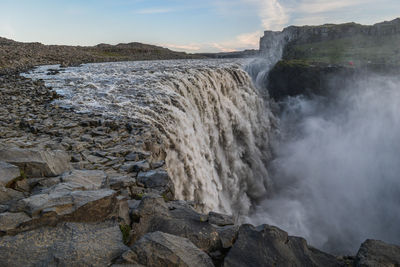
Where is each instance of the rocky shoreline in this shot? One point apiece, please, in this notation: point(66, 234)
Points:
point(80, 189)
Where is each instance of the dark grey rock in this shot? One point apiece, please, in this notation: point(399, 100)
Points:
point(228, 235)
point(162, 249)
point(157, 179)
point(137, 155)
point(76, 205)
point(153, 214)
point(37, 163)
point(88, 179)
point(220, 219)
point(10, 221)
point(68, 244)
point(4, 208)
point(375, 253)
point(158, 164)
point(8, 173)
point(269, 246)
point(119, 182)
point(8, 195)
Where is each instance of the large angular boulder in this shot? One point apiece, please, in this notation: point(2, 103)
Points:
point(68, 244)
point(10, 221)
point(37, 163)
point(8, 195)
point(85, 205)
point(374, 253)
point(162, 249)
point(88, 179)
point(176, 218)
point(269, 246)
point(8, 173)
point(158, 180)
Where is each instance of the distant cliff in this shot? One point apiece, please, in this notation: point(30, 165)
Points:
point(312, 56)
point(331, 43)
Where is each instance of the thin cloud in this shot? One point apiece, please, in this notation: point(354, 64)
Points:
point(240, 42)
point(151, 11)
point(310, 20)
point(186, 48)
point(273, 15)
point(312, 7)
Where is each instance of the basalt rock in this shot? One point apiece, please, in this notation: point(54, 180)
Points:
point(8, 173)
point(89, 179)
point(37, 163)
point(269, 246)
point(374, 253)
point(175, 218)
point(162, 249)
point(68, 244)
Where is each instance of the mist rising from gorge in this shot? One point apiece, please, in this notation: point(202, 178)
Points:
point(336, 172)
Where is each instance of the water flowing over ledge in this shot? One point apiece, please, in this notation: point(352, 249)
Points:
point(214, 123)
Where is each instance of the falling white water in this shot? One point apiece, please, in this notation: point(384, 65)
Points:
point(215, 125)
point(271, 51)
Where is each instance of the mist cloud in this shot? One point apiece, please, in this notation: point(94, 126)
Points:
point(337, 170)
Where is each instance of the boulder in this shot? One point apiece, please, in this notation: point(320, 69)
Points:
point(374, 253)
point(89, 179)
point(8, 195)
point(119, 182)
point(37, 163)
point(85, 205)
point(162, 249)
point(158, 180)
point(176, 218)
point(8, 173)
point(228, 235)
point(269, 246)
point(68, 244)
point(140, 166)
point(10, 221)
point(220, 219)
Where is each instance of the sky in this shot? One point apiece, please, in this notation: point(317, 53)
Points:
point(184, 25)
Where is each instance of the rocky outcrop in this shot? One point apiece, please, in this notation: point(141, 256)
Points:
point(292, 78)
point(36, 163)
point(297, 77)
point(161, 249)
point(176, 218)
point(327, 32)
point(8, 173)
point(17, 56)
point(68, 244)
point(269, 246)
point(373, 253)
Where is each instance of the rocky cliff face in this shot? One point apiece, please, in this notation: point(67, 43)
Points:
point(327, 32)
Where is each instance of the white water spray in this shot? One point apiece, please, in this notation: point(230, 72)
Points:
point(336, 176)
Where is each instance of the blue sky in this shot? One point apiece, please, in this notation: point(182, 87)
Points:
point(185, 25)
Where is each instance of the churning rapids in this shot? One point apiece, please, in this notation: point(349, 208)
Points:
point(334, 178)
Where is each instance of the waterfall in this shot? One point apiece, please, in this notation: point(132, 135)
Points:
point(271, 51)
point(214, 123)
point(219, 140)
